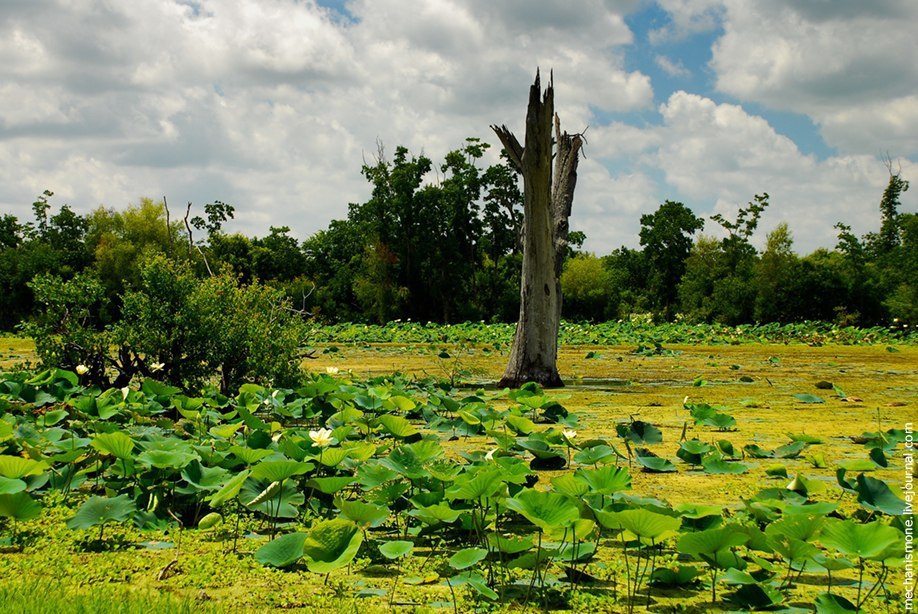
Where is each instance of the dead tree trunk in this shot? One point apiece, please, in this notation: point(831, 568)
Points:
point(547, 197)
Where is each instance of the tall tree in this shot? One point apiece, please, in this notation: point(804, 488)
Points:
point(666, 237)
point(548, 194)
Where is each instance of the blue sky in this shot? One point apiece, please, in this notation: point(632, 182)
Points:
point(272, 105)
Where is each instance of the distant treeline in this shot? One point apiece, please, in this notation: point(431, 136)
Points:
point(450, 251)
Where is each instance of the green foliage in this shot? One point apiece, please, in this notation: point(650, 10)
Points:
point(176, 327)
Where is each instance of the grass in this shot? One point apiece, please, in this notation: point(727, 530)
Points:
point(21, 596)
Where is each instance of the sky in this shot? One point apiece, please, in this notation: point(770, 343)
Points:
point(273, 105)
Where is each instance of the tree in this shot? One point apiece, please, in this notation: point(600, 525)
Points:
point(548, 193)
point(666, 237)
point(587, 288)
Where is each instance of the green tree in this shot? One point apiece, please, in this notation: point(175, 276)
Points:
point(775, 278)
point(588, 290)
point(666, 237)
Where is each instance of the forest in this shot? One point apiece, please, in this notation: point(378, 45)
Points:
point(449, 250)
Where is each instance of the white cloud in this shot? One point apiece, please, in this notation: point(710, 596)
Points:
point(670, 67)
point(717, 156)
point(848, 65)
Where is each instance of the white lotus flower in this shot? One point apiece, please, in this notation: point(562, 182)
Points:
point(490, 455)
point(569, 434)
point(156, 366)
point(322, 438)
point(82, 369)
point(331, 370)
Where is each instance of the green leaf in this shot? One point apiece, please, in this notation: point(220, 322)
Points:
point(875, 495)
point(10, 486)
point(166, 459)
point(861, 540)
point(436, 514)
point(204, 478)
point(118, 444)
point(279, 470)
point(756, 596)
point(229, 490)
point(827, 603)
point(476, 582)
point(19, 506)
point(249, 456)
point(708, 544)
point(366, 515)
point(15, 467)
point(718, 466)
point(474, 486)
point(332, 544)
point(653, 463)
point(605, 480)
point(547, 510)
point(100, 510)
point(467, 557)
point(638, 431)
point(396, 549)
point(397, 426)
point(330, 485)
point(646, 525)
point(282, 551)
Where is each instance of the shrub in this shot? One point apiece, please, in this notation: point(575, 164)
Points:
point(175, 327)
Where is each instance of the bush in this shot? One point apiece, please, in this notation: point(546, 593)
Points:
point(175, 327)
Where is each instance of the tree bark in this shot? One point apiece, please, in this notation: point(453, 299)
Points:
point(548, 194)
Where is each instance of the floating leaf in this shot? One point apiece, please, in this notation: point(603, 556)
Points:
point(809, 398)
point(653, 463)
point(718, 466)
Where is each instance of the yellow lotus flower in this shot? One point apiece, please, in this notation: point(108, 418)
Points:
point(82, 369)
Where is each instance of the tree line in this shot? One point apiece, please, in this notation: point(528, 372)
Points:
point(449, 250)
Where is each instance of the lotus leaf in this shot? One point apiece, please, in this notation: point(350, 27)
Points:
point(547, 510)
point(396, 549)
point(467, 557)
point(101, 510)
point(279, 470)
point(282, 551)
point(364, 514)
point(15, 467)
point(19, 506)
point(875, 495)
point(861, 540)
point(332, 544)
